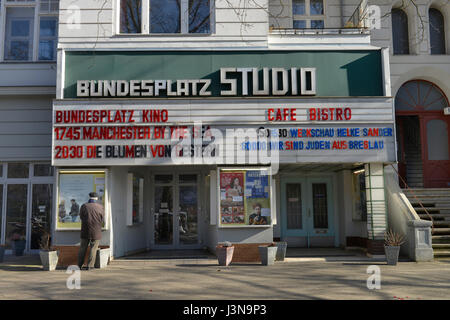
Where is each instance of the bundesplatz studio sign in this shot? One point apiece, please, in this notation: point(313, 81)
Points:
point(275, 82)
point(203, 74)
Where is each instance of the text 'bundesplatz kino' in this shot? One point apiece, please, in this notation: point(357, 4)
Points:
point(199, 122)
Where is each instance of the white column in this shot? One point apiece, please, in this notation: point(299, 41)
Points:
point(376, 201)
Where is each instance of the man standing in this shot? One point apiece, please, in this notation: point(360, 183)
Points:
point(74, 210)
point(92, 215)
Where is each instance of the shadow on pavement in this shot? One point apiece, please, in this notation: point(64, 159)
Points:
point(10, 267)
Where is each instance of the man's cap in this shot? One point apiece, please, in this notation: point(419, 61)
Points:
point(93, 195)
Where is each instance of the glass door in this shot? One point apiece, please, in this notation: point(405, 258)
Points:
point(188, 210)
point(41, 211)
point(176, 211)
point(163, 212)
point(306, 208)
point(436, 151)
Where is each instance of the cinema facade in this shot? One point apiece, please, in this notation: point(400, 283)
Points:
point(191, 148)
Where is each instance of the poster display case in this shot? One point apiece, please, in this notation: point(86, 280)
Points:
point(245, 197)
point(73, 188)
point(135, 199)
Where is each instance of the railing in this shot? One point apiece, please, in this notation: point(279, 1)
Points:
point(359, 17)
point(418, 201)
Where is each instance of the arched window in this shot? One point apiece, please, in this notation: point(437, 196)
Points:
point(420, 95)
point(400, 35)
point(437, 33)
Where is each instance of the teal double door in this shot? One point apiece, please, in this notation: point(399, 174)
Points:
point(307, 217)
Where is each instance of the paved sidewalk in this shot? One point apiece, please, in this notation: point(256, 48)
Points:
point(336, 277)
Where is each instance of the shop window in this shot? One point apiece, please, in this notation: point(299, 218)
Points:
point(43, 170)
point(165, 16)
point(74, 187)
point(16, 214)
point(400, 34)
point(41, 213)
point(163, 178)
point(359, 196)
point(188, 178)
point(18, 170)
point(437, 33)
point(308, 14)
point(20, 43)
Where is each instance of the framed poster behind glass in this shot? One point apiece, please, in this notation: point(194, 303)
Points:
point(245, 197)
point(73, 190)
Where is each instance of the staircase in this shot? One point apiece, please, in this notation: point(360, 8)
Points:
point(437, 203)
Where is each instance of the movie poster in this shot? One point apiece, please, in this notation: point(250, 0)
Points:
point(73, 192)
point(232, 198)
point(245, 198)
point(257, 197)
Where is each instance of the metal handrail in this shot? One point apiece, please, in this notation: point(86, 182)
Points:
point(358, 18)
point(420, 202)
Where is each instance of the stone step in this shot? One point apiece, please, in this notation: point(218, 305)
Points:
point(422, 205)
point(440, 239)
point(445, 253)
point(432, 208)
point(441, 246)
point(441, 224)
point(441, 231)
point(437, 195)
point(435, 215)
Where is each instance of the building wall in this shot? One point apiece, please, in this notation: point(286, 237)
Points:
point(99, 22)
point(419, 64)
point(25, 127)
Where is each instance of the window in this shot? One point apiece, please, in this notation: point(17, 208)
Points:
point(165, 16)
point(19, 33)
point(43, 170)
point(48, 38)
point(308, 14)
point(400, 34)
point(437, 33)
point(420, 95)
point(130, 16)
point(21, 42)
point(18, 170)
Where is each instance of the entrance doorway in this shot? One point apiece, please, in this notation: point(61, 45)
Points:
point(423, 133)
point(307, 212)
point(176, 208)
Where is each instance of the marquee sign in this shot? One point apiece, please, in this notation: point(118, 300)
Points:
point(155, 133)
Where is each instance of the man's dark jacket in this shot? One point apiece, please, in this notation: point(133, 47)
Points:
point(92, 216)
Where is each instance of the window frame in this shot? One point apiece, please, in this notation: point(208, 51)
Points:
point(408, 33)
point(35, 37)
point(145, 21)
point(29, 182)
point(444, 37)
point(307, 17)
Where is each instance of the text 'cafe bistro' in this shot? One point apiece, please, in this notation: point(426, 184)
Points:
point(245, 147)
